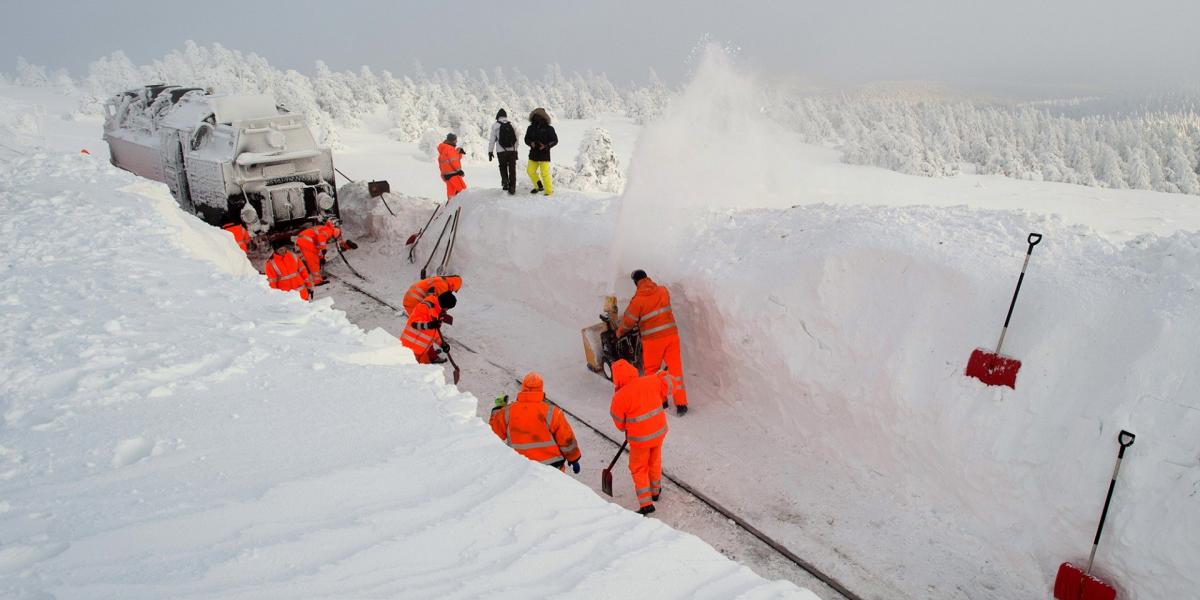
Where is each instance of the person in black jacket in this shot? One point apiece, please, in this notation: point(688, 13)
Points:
point(540, 138)
point(504, 137)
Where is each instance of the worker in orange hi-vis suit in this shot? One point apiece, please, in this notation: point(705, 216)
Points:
point(650, 311)
point(637, 409)
point(308, 242)
point(422, 334)
point(450, 165)
point(430, 286)
point(535, 428)
point(285, 271)
point(239, 233)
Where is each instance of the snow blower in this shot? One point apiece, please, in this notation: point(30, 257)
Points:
point(603, 335)
point(1073, 583)
point(993, 368)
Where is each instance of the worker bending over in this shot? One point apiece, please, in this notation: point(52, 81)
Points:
point(430, 286)
point(535, 428)
point(285, 271)
point(422, 334)
point(314, 243)
point(637, 410)
point(650, 311)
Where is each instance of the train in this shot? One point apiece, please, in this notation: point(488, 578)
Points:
point(226, 158)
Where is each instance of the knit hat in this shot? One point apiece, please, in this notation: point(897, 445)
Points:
point(280, 243)
point(638, 275)
point(451, 138)
point(447, 300)
point(501, 113)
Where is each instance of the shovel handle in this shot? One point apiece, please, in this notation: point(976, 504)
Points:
point(619, 451)
point(1125, 439)
point(1034, 238)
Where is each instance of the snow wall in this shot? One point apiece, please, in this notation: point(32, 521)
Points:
point(837, 336)
point(175, 429)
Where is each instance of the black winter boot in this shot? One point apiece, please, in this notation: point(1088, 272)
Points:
point(645, 510)
point(681, 410)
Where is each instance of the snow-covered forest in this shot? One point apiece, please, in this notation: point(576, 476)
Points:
point(1155, 146)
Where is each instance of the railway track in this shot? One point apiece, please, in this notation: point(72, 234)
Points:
point(700, 496)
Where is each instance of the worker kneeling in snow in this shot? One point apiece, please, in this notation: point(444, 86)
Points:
point(650, 311)
point(637, 409)
point(422, 334)
point(430, 286)
point(286, 272)
point(535, 428)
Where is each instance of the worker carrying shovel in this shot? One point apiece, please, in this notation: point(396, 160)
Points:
point(535, 428)
point(637, 410)
point(650, 311)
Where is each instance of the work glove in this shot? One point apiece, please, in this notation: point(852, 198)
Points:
point(447, 176)
point(322, 262)
point(490, 155)
point(460, 173)
point(448, 319)
point(461, 152)
point(575, 467)
point(436, 324)
point(501, 400)
point(349, 245)
point(664, 404)
point(445, 346)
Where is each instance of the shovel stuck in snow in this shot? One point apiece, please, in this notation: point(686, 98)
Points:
point(606, 475)
point(1073, 583)
point(994, 368)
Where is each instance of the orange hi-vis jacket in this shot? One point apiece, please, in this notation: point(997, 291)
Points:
point(449, 160)
point(536, 428)
point(430, 286)
point(309, 241)
point(287, 272)
point(325, 232)
point(240, 235)
point(637, 405)
point(650, 311)
point(421, 331)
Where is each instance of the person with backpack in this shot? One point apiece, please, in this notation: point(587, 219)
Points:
point(540, 138)
point(505, 136)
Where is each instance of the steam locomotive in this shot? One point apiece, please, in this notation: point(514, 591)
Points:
point(225, 158)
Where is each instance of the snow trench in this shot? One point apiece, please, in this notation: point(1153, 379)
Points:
point(175, 429)
point(824, 348)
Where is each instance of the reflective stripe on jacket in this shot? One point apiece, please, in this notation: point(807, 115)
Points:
point(449, 160)
point(430, 286)
point(637, 405)
point(420, 332)
point(286, 272)
point(536, 428)
point(650, 311)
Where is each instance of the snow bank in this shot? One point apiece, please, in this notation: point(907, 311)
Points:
point(173, 428)
point(832, 339)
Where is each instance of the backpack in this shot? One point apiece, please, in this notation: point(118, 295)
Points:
point(507, 135)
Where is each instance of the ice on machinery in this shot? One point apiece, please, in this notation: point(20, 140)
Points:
point(223, 156)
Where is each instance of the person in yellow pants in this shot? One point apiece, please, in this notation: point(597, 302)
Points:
point(540, 138)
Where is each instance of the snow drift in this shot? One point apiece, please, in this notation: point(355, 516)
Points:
point(832, 339)
point(173, 428)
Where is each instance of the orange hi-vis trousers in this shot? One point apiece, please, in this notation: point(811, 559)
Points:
point(656, 351)
point(645, 464)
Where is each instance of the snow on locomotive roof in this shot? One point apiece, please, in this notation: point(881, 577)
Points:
point(231, 109)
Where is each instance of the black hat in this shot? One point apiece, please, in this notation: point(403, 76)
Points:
point(638, 275)
point(447, 300)
point(451, 137)
point(501, 113)
point(279, 243)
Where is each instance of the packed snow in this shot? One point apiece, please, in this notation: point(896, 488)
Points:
point(175, 429)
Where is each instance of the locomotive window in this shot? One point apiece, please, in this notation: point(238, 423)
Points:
point(201, 136)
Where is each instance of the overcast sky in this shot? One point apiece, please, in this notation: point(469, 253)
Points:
point(1019, 43)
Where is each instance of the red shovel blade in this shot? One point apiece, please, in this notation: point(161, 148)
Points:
point(606, 482)
point(992, 368)
point(412, 239)
point(1073, 584)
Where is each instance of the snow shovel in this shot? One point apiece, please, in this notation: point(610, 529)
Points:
point(414, 238)
point(1073, 583)
point(457, 371)
point(375, 189)
point(606, 475)
point(994, 368)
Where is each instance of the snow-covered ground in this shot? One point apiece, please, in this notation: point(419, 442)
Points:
point(827, 312)
point(174, 429)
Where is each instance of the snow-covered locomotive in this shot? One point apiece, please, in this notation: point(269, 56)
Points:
point(224, 157)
